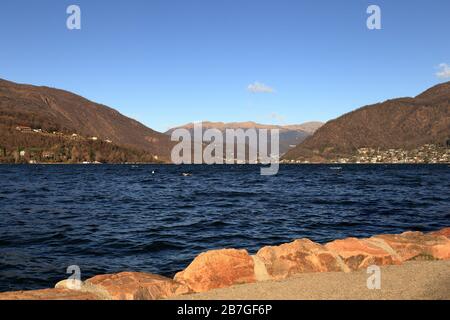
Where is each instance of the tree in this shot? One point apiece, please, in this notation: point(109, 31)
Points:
point(75, 154)
point(98, 156)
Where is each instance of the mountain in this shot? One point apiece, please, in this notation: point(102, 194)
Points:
point(403, 123)
point(310, 127)
point(290, 136)
point(54, 110)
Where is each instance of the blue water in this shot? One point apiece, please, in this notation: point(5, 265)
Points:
point(113, 218)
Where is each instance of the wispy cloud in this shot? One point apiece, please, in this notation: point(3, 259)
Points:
point(258, 87)
point(278, 117)
point(444, 71)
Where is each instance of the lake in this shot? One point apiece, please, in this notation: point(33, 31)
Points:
point(112, 218)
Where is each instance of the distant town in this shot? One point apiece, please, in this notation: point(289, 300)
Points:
point(428, 153)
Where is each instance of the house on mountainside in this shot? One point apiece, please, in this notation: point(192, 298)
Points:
point(48, 155)
point(23, 129)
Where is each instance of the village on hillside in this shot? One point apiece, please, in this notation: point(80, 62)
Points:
point(51, 155)
point(28, 145)
point(426, 154)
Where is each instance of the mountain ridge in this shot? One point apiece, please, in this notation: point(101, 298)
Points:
point(406, 122)
point(310, 126)
point(290, 135)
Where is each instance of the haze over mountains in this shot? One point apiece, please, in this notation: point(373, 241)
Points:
point(290, 135)
point(398, 123)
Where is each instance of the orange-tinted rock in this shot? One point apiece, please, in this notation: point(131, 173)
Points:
point(70, 284)
point(417, 245)
point(48, 294)
point(218, 269)
point(443, 232)
point(298, 257)
point(134, 286)
point(361, 253)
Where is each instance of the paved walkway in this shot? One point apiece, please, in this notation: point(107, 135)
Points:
point(413, 280)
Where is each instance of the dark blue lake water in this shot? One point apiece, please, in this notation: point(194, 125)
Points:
point(116, 218)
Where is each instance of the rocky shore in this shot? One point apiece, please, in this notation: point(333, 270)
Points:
point(225, 268)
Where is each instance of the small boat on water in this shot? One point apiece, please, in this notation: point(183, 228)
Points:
point(335, 168)
point(187, 174)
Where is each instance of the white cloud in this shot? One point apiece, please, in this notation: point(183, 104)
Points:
point(444, 71)
point(258, 87)
point(278, 117)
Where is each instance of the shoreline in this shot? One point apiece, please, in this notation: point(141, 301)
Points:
point(225, 164)
point(232, 273)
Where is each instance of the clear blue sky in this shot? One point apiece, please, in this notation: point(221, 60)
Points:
point(167, 62)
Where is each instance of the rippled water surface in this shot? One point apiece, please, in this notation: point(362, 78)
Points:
point(115, 218)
